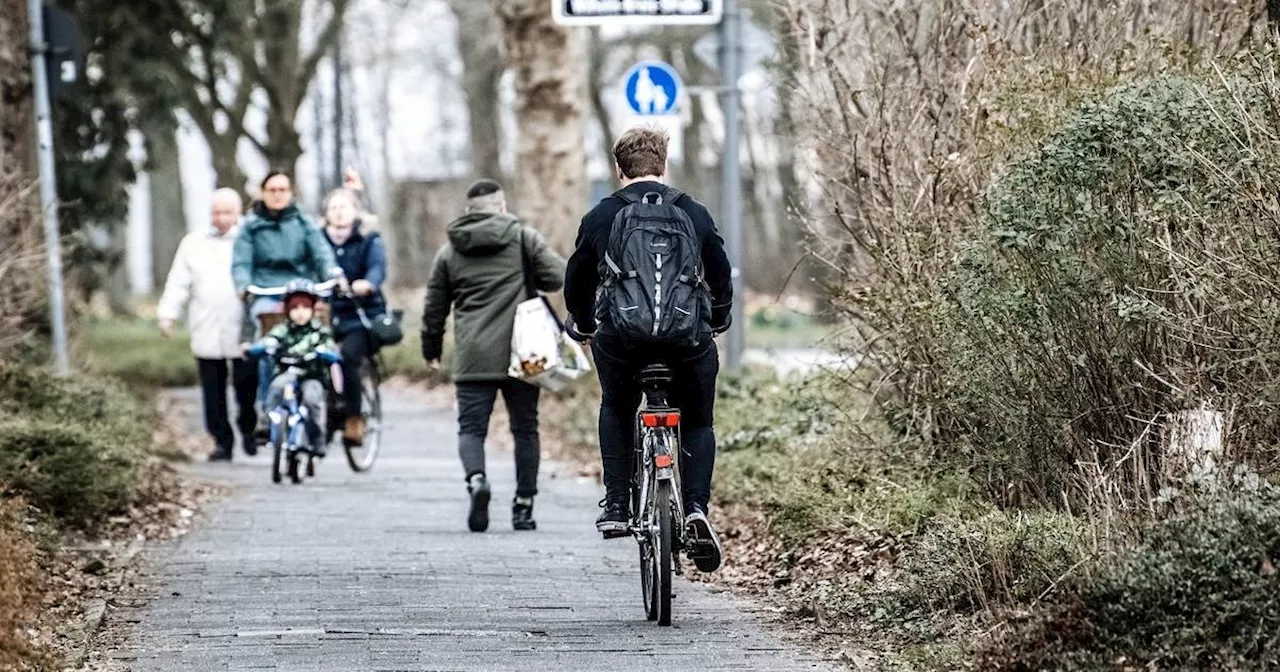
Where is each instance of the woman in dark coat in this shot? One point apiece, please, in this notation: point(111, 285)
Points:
point(363, 258)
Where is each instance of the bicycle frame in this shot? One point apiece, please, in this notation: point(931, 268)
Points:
point(291, 417)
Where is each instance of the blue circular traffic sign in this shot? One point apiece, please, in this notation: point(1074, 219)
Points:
point(652, 88)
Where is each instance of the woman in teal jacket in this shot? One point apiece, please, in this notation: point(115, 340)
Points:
point(277, 244)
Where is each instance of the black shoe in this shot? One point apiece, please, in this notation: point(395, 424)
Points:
point(250, 445)
point(522, 514)
point(220, 455)
point(703, 542)
point(615, 520)
point(478, 488)
point(261, 433)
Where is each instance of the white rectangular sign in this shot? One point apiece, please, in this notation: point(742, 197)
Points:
point(637, 12)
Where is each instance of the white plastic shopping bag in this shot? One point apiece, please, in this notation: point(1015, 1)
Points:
point(541, 352)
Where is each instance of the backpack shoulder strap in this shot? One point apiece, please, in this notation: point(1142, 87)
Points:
point(670, 195)
point(526, 267)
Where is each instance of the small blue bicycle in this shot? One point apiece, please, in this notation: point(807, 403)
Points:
point(291, 424)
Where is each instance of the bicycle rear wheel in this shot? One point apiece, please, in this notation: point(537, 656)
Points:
point(662, 538)
point(361, 457)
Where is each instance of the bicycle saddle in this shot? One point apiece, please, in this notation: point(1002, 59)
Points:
point(655, 374)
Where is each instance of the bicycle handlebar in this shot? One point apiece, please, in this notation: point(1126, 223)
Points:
point(319, 288)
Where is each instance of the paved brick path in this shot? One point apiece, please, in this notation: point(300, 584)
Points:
point(377, 572)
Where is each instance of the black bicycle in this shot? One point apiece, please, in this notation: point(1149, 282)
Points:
point(361, 457)
point(657, 507)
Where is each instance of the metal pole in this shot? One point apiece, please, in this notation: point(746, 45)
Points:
point(48, 185)
point(731, 187)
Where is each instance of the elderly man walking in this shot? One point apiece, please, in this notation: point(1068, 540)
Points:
point(480, 274)
point(200, 281)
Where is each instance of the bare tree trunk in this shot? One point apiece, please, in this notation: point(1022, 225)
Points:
point(282, 51)
point(17, 120)
point(168, 218)
point(17, 135)
point(551, 165)
point(480, 45)
point(595, 87)
point(225, 166)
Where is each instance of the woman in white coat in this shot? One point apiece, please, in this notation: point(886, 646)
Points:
point(200, 281)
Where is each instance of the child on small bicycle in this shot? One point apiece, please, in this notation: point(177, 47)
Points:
point(303, 348)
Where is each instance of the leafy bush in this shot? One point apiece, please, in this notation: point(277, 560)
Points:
point(977, 564)
point(1201, 591)
point(1124, 270)
point(72, 446)
point(71, 472)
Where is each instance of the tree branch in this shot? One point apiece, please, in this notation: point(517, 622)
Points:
point(327, 37)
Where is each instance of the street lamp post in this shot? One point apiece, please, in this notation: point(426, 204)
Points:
point(731, 187)
point(48, 184)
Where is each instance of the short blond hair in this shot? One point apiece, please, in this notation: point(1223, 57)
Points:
point(642, 151)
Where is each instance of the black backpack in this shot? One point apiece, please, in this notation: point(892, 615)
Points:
point(653, 286)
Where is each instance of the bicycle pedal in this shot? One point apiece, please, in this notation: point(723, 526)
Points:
point(615, 534)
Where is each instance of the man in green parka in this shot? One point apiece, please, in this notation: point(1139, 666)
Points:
point(479, 273)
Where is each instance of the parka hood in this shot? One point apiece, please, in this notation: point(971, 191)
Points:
point(483, 233)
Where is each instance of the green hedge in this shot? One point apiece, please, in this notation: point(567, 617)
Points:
point(72, 447)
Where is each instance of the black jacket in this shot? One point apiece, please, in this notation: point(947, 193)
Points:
point(583, 275)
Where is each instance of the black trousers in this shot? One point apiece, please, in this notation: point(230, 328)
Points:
point(355, 347)
point(692, 390)
point(475, 406)
point(213, 386)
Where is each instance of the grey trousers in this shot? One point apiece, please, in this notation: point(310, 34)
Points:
point(475, 406)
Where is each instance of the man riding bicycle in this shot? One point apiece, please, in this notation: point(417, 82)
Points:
point(606, 263)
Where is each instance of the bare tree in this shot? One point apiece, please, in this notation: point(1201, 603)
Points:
point(550, 74)
point(480, 45)
point(16, 124)
point(168, 216)
point(220, 53)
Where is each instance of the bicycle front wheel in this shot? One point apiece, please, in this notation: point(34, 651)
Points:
point(361, 457)
point(277, 458)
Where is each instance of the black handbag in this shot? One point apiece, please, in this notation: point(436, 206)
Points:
point(384, 329)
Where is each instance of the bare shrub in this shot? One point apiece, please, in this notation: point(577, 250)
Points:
point(21, 266)
point(914, 108)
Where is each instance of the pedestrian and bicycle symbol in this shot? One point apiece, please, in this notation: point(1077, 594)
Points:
point(652, 88)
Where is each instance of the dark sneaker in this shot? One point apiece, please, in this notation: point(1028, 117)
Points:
point(615, 519)
point(703, 543)
point(220, 454)
point(478, 488)
point(522, 514)
point(261, 432)
point(251, 446)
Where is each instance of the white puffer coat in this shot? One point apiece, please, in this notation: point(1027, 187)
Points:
point(200, 281)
